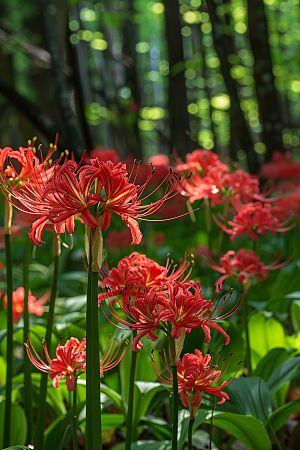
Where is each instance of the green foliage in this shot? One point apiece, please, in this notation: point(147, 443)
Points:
point(19, 426)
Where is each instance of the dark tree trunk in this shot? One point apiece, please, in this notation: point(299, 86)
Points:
point(177, 103)
point(70, 124)
point(239, 125)
point(264, 78)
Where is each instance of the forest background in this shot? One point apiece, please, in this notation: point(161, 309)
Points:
point(144, 77)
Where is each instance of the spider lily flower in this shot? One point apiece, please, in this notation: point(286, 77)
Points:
point(243, 265)
point(196, 374)
point(69, 359)
point(254, 218)
point(57, 201)
point(174, 308)
point(124, 197)
point(30, 167)
point(34, 306)
point(137, 274)
point(185, 307)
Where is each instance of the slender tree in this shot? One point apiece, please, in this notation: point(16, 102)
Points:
point(177, 102)
point(264, 78)
point(239, 125)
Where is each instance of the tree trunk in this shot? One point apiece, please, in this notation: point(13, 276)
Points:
point(264, 78)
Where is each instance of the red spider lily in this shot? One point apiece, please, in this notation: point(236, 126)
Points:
point(243, 264)
point(143, 315)
point(34, 306)
point(281, 166)
point(103, 154)
point(172, 308)
point(138, 274)
point(123, 197)
point(69, 358)
point(241, 185)
point(255, 218)
point(57, 201)
point(196, 374)
point(30, 167)
point(72, 357)
point(208, 186)
point(198, 160)
point(185, 307)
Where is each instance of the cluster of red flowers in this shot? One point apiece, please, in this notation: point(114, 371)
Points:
point(71, 358)
point(56, 193)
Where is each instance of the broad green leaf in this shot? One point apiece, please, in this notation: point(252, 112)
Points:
point(244, 398)
point(271, 361)
point(250, 431)
point(295, 315)
point(287, 371)
point(18, 430)
point(159, 427)
point(59, 432)
point(114, 396)
point(279, 417)
point(16, 447)
point(112, 421)
point(201, 439)
point(267, 366)
point(266, 333)
point(146, 445)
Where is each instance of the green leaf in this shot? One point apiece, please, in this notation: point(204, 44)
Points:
point(114, 396)
point(287, 371)
point(266, 333)
point(295, 315)
point(112, 421)
point(18, 430)
point(201, 440)
point(145, 445)
point(159, 427)
point(250, 431)
point(244, 398)
point(16, 447)
point(271, 361)
point(280, 416)
point(59, 432)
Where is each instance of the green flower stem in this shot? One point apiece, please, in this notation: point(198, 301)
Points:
point(190, 435)
point(208, 222)
point(93, 407)
point(128, 439)
point(9, 345)
point(175, 394)
point(246, 327)
point(75, 446)
point(41, 414)
point(225, 214)
point(27, 364)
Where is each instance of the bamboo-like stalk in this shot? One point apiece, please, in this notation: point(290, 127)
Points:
point(9, 344)
point(93, 407)
point(130, 398)
point(190, 435)
point(175, 393)
point(74, 424)
point(41, 414)
point(27, 364)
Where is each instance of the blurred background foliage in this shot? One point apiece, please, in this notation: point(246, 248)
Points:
point(145, 76)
